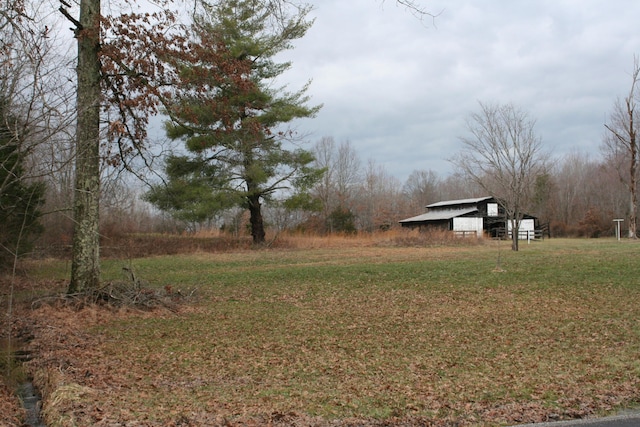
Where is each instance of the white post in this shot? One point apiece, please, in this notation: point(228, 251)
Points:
point(618, 221)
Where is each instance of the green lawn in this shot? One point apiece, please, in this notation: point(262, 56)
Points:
point(431, 333)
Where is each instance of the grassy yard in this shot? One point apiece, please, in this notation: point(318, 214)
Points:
point(450, 335)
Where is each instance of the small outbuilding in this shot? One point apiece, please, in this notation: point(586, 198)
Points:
point(471, 217)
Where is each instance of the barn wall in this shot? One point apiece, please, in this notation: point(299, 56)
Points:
point(468, 224)
point(525, 225)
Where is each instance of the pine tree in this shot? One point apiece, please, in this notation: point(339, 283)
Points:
point(228, 114)
point(188, 194)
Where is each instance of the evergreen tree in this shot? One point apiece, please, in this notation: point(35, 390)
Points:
point(342, 220)
point(20, 200)
point(228, 112)
point(188, 194)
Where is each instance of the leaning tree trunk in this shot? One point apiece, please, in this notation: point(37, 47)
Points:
point(85, 266)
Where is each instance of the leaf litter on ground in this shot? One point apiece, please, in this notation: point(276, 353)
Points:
point(436, 339)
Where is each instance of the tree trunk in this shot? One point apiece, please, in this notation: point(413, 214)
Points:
point(255, 218)
point(515, 231)
point(633, 153)
point(85, 266)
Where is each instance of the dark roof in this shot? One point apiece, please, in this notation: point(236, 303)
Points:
point(459, 202)
point(440, 214)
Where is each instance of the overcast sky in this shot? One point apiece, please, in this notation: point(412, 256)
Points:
point(399, 89)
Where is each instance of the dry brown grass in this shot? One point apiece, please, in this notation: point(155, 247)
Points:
point(214, 241)
point(366, 334)
point(397, 237)
point(11, 411)
point(390, 329)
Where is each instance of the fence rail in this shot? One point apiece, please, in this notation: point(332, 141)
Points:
point(538, 234)
point(465, 233)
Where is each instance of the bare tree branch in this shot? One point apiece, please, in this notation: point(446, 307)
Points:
point(418, 10)
point(623, 146)
point(74, 21)
point(504, 156)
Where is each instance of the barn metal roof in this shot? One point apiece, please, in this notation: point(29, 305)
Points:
point(440, 214)
point(458, 202)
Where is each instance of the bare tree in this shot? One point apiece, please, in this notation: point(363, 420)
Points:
point(324, 152)
point(504, 156)
point(571, 177)
point(457, 186)
point(32, 82)
point(34, 98)
point(378, 200)
point(622, 144)
point(422, 188)
point(347, 172)
point(343, 173)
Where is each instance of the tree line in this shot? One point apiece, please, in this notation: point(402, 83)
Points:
point(75, 133)
point(577, 195)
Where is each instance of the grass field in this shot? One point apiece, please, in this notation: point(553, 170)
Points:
point(448, 335)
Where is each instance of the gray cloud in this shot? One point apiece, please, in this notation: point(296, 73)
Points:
point(400, 89)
